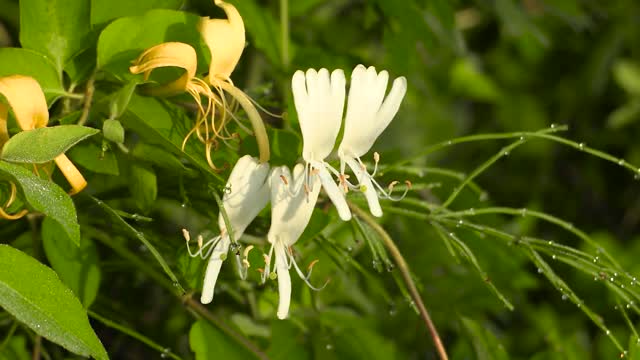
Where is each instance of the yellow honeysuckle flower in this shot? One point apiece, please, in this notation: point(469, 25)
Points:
point(225, 39)
point(25, 98)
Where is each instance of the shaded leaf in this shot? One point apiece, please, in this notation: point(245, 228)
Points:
point(17, 61)
point(104, 11)
point(91, 157)
point(143, 186)
point(58, 29)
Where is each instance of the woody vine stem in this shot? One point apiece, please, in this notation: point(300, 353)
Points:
point(406, 276)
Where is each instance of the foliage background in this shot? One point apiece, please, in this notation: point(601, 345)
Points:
point(473, 67)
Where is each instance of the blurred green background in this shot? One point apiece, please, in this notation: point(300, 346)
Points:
point(473, 67)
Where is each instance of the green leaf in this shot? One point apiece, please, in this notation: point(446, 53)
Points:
point(627, 76)
point(126, 38)
point(160, 124)
point(634, 348)
point(210, 343)
point(624, 115)
point(58, 29)
point(44, 196)
point(17, 61)
point(143, 186)
point(91, 157)
point(33, 294)
point(104, 11)
point(76, 266)
point(44, 144)
point(263, 28)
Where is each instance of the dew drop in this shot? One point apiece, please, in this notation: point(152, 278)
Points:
point(581, 146)
point(553, 256)
point(451, 234)
point(553, 126)
point(612, 279)
point(636, 177)
point(521, 138)
point(608, 332)
point(550, 242)
point(329, 346)
point(505, 153)
point(350, 249)
point(183, 205)
point(523, 212)
point(596, 259)
point(472, 211)
point(564, 297)
point(539, 270)
point(484, 196)
point(460, 223)
point(621, 162)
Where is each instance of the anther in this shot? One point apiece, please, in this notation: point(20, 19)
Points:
point(186, 235)
point(284, 179)
point(312, 264)
point(200, 241)
point(393, 183)
point(408, 183)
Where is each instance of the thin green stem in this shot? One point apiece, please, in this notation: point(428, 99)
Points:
point(134, 334)
point(225, 216)
point(478, 137)
point(406, 275)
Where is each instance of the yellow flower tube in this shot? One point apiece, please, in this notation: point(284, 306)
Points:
point(26, 99)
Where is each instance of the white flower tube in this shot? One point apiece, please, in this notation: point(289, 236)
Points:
point(247, 194)
point(291, 211)
point(319, 101)
point(367, 117)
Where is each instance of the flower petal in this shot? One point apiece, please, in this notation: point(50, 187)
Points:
point(291, 204)
point(367, 114)
point(225, 39)
point(169, 54)
point(248, 194)
point(284, 281)
point(333, 191)
point(369, 190)
point(319, 100)
point(26, 99)
point(213, 269)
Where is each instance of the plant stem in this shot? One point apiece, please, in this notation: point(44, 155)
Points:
point(36, 347)
point(406, 275)
point(88, 99)
point(284, 27)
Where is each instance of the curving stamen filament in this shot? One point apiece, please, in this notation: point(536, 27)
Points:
point(204, 249)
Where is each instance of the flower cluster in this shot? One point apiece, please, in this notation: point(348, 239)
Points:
point(319, 100)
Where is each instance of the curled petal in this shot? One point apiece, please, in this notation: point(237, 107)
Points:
point(284, 281)
point(366, 186)
point(225, 39)
point(4, 132)
point(71, 173)
point(213, 269)
point(25, 97)
point(169, 54)
point(335, 194)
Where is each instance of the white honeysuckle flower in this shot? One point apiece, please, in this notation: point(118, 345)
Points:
point(319, 100)
point(291, 211)
point(246, 194)
point(367, 116)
